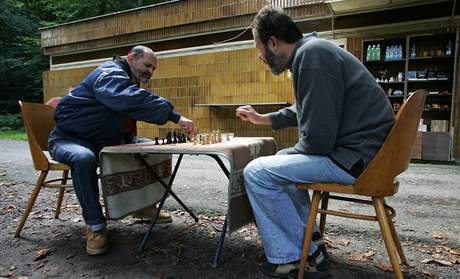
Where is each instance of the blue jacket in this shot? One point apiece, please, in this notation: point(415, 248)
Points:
point(99, 107)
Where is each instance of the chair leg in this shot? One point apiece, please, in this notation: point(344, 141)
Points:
point(385, 228)
point(322, 219)
point(309, 231)
point(30, 204)
point(396, 240)
point(65, 175)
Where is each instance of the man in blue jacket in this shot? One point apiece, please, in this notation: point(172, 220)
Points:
point(343, 118)
point(97, 113)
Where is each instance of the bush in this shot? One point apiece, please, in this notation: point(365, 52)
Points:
point(13, 121)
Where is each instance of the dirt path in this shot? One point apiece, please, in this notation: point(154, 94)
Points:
point(428, 207)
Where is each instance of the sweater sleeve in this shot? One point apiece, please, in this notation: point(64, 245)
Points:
point(321, 98)
point(119, 93)
point(283, 118)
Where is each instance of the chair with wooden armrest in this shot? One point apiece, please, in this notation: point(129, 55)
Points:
point(376, 182)
point(38, 122)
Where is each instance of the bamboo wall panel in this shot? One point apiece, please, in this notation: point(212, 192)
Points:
point(148, 24)
point(230, 77)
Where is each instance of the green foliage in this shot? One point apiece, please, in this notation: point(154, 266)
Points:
point(21, 59)
point(13, 135)
point(13, 121)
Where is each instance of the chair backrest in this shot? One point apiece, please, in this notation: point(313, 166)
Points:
point(394, 156)
point(38, 122)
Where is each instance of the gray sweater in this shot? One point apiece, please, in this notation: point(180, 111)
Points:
point(340, 109)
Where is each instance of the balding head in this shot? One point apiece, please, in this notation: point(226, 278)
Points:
point(139, 51)
point(142, 62)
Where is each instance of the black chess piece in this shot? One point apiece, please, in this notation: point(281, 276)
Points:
point(163, 141)
point(156, 141)
point(168, 138)
point(174, 139)
point(184, 138)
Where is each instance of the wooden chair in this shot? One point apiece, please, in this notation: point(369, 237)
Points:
point(377, 181)
point(38, 122)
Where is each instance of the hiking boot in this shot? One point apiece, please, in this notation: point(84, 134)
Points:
point(96, 242)
point(278, 270)
point(316, 267)
point(148, 213)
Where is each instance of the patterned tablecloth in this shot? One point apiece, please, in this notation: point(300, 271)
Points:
point(128, 186)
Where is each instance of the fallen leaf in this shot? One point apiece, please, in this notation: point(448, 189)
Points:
point(455, 260)
point(438, 261)
point(40, 254)
point(330, 243)
point(362, 257)
point(439, 235)
point(455, 251)
point(425, 249)
point(427, 273)
point(345, 242)
point(384, 267)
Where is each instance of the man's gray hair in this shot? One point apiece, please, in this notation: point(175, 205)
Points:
point(139, 51)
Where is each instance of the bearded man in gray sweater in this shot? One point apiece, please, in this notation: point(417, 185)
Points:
point(343, 118)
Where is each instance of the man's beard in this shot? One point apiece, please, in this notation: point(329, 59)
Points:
point(143, 78)
point(277, 63)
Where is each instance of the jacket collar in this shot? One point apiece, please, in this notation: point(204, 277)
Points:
point(123, 63)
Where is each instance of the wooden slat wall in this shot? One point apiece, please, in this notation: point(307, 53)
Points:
point(148, 24)
point(354, 46)
point(235, 76)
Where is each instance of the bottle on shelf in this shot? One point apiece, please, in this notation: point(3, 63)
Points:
point(400, 52)
point(371, 52)
point(413, 51)
point(449, 49)
point(377, 52)
point(368, 53)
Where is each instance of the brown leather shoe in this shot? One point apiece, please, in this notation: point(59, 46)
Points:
point(147, 213)
point(96, 242)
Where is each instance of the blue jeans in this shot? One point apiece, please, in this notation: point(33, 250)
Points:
point(82, 157)
point(280, 209)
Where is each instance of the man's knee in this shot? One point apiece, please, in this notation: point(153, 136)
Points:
point(254, 169)
point(86, 158)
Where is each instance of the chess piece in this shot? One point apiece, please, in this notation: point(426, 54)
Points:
point(218, 136)
point(168, 138)
point(174, 139)
point(227, 137)
point(156, 141)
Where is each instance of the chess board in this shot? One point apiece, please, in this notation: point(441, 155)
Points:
point(212, 137)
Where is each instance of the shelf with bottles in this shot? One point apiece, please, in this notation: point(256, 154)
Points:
point(384, 50)
point(432, 46)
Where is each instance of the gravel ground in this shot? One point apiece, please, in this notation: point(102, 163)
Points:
point(427, 205)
